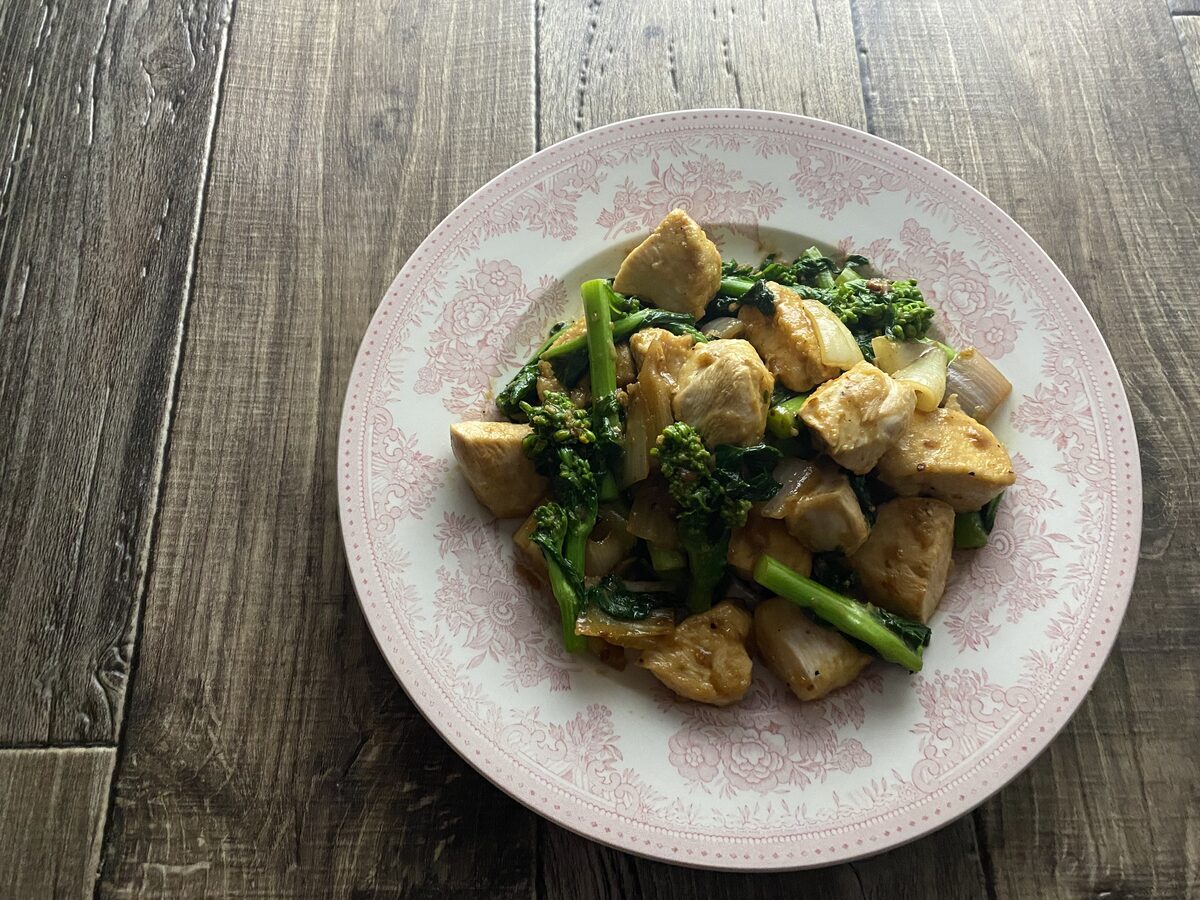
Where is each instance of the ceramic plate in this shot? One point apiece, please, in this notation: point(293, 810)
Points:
point(771, 783)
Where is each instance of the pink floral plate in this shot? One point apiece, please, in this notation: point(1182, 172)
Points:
point(771, 783)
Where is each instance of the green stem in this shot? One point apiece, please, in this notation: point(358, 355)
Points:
point(969, 533)
point(781, 418)
point(733, 286)
point(664, 559)
point(824, 279)
point(568, 606)
point(845, 614)
point(602, 365)
point(602, 353)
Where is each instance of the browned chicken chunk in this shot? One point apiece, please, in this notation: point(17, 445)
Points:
point(787, 341)
point(905, 562)
point(724, 392)
point(676, 268)
point(810, 658)
point(496, 467)
point(761, 535)
point(859, 415)
point(664, 351)
point(824, 514)
point(948, 455)
point(705, 658)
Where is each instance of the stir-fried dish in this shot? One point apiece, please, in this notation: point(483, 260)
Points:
point(721, 461)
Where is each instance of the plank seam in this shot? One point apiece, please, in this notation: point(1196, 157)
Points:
point(161, 462)
point(864, 66)
point(985, 855)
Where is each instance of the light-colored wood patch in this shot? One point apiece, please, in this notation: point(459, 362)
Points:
point(52, 809)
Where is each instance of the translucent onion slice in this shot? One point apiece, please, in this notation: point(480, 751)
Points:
point(891, 356)
point(652, 515)
point(635, 461)
point(610, 542)
point(791, 474)
point(641, 634)
point(836, 344)
point(927, 376)
point(980, 386)
point(725, 327)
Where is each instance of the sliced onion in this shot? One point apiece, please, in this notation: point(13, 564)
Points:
point(834, 340)
point(791, 474)
point(641, 634)
point(609, 543)
point(892, 356)
point(927, 376)
point(652, 516)
point(725, 327)
point(635, 462)
point(980, 386)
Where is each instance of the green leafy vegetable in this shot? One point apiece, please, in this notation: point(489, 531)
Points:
point(598, 302)
point(566, 582)
point(783, 416)
point(892, 637)
point(558, 424)
point(869, 307)
point(615, 598)
point(712, 500)
point(972, 529)
point(523, 387)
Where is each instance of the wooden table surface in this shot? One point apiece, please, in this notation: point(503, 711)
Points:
point(200, 205)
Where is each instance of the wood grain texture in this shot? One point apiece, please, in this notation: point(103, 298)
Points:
point(105, 115)
point(1185, 7)
point(604, 60)
point(52, 805)
point(1072, 117)
point(269, 752)
point(1188, 30)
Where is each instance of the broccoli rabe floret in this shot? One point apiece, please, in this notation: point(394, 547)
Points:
point(557, 424)
point(551, 527)
point(713, 494)
point(576, 491)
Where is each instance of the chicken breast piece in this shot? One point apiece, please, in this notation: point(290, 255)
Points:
point(824, 513)
point(724, 392)
point(662, 351)
point(704, 658)
point(948, 455)
point(787, 341)
point(859, 415)
point(496, 467)
point(762, 535)
point(810, 658)
point(676, 268)
point(905, 562)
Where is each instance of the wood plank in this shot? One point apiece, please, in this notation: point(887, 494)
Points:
point(601, 62)
point(105, 115)
point(268, 750)
point(1071, 117)
point(53, 804)
point(1185, 7)
point(619, 59)
point(1188, 29)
